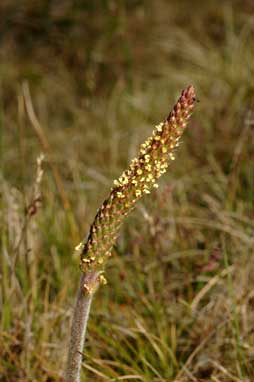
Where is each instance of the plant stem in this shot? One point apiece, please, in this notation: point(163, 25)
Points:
point(88, 284)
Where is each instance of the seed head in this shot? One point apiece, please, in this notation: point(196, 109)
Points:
point(139, 179)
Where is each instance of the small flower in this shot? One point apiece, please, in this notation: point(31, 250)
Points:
point(139, 179)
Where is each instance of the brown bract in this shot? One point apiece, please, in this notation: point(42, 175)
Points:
point(140, 178)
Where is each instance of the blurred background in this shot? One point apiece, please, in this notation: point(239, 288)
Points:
point(84, 82)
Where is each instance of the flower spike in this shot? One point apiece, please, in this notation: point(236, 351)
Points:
point(140, 178)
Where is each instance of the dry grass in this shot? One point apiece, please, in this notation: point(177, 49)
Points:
point(179, 305)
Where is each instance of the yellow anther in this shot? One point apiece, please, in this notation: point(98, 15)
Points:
point(79, 246)
point(120, 195)
point(84, 260)
point(159, 127)
point(103, 280)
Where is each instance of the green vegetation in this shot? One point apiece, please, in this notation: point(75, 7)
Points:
point(84, 83)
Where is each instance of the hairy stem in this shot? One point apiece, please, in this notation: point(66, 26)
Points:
point(88, 285)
